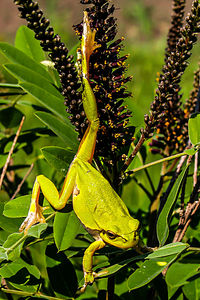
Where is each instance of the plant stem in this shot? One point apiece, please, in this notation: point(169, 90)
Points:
point(193, 249)
point(133, 154)
point(28, 294)
point(158, 162)
point(10, 85)
point(22, 182)
point(11, 151)
point(16, 244)
point(110, 288)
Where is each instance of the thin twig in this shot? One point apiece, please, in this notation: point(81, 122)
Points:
point(22, 182)
point(188, 218)
point(183, 154)
point(171, 167)
point(110, 288)
point(11, 152)
point(29, 294)
point(186, 215)
point(133, 154)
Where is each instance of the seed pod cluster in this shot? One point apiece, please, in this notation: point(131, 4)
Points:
point(167, 115)
point(58, 53)
point(107, 78)
point(174, 33)
point(191, 104)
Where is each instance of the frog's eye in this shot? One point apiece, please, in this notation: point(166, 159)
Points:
point(111, 235)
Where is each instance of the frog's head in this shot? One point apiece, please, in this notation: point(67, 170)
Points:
point(126, 237)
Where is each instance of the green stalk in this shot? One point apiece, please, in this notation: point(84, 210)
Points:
point(10, 85)
point(158, 162)
point(28, 294)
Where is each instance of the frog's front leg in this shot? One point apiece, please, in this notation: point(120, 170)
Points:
point(50, 192)
point(89, 275)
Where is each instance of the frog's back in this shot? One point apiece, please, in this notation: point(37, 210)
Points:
point(95, 202)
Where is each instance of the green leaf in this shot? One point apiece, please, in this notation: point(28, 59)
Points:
point(7, 224)
point(40, 260)
point(193, 128)
point(191, 289)
point(37, 230)
point(10, 117)
point(62, 129)
point(58, 157)
point(164, 217)
point(3, 254)
point(66, 226)
point(3, 158)
point(11, 269)
point(149, 270)
point(169, 249)
point(13, 245)
point(116, 267)
point(179, 273)
point(21, 275)
point(24, 74)
point(191, 151)
point(61, 269)
point(53, 103)
point(10, 225)
point(25, 41)
point(17, 207)
point(17, 56)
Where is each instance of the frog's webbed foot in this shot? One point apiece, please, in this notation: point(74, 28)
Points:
point(33, 217)
point(89, 278)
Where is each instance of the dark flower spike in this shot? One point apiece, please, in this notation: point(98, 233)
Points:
point(167, 116)
point(176, 24)
point(191, 104)
point(58, 53)
point(107, 78)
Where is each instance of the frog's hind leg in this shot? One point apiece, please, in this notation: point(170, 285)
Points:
point(87, 145)
point(50, 192)
point(88, 45)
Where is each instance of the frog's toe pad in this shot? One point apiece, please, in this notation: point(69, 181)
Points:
point(30, 220)
point(89, 277)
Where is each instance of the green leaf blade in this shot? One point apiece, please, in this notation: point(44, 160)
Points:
point(149, 270)
point(54, 104)
point(26, 42)
point(18, 57)
point(17, 207)
point(66, 226)
point(162, 224)
point(62, 129)
point(24, 74)
point(59, 158)
point(193, 128)
point(37, 230)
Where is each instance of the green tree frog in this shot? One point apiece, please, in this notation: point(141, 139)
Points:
point(97, 205)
